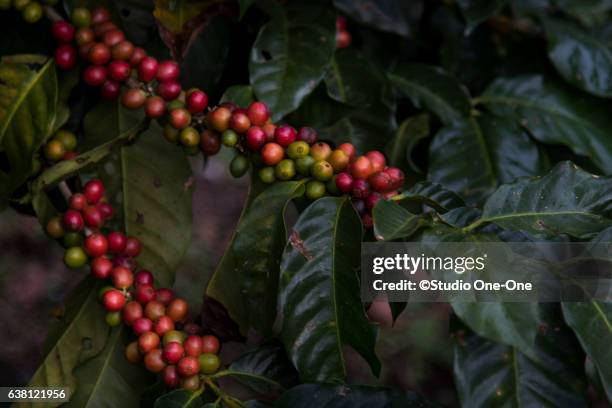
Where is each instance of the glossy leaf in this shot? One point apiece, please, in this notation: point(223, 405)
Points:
point(410, 133)
point(241, 95)
point(433, 89)
point(345, 78)
point(174, 14)
point(554, 115)
point(477, 11)
point(319, 303)
point(291, 53)
point(432, 195)
point(180, 399)
point(383, 15)
point(392, 221)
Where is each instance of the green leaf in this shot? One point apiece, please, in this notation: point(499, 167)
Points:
point(581, 59)
point(554, 115)
point(385, 15)
point(244, 6)
point(248, 272)
point(291, 53)
point(567, 200)
point(477, 11)
point(348, 396)
point(432, 195)
point(241, 95)
point(433, 89)
point(490, 374)
point(410, 133)
point(319, 306)
point(174, 14)
point(28, 113)
point(392, 221)
point(180, 399)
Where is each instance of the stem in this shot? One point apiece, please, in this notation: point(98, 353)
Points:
point(473, 225)
point(65, 190)
point(214, 387)
point(52, 14)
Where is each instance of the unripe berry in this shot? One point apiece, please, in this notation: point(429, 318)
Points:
point(143, 277)
point(331, 186)
point(137, 56)
point(96, 245)
point(154, 310)
point(196, 101)
point(54, 228)
point(72, 239)
point(94, 75)
point(132, 247)
point(133, 98)
point(177, 310)
point(188, 366)
point(174, 336)
point(99, 54)
point(377, 159)
point(113, 37)
point(239, 166)
point(240, 122)
point(193, 346)
point(180, 118)
point(93, 217)
point(84, 35)
point(361, 168)
point(148, 341)
point(171, 377)
point(210, 344)
point(192, 384)
point(360, 188)
point(123, 51)
point(285, 135)
point(173, 352)
point(229, 138)
point(100, 15)
point(110, 90)
point(220, 118)
point(75, 257)
point(113, 300)
point(320, 151)
point(101, 268)
point(163, 325)
point(119, 70)
point(73, 220)
point(304, 164)
point(315, 190)
point(167, 71)
point(81, 17)
point(144, 293)
point(322, 170)
point(339, 160)
point(255, 138)
point(113, 319)
point(132, 312)
point(285, 170)
point(307, 134)
point(344, 182)
point(258, 113)
point(62, 31)
point(54, 150)
point(210, 143)
point(32, 12)
point(122, 277)
point(65, 57)
point(272, 154)
point(142, 325)
point(349, 149)
point(132, 354)
point(147, 69)
point(67, 138)
point(189, 137)
point(154, 362)
point(266, 175)
point(169, 90)
point(298, 149)
point(209, 363)
point(155, 107)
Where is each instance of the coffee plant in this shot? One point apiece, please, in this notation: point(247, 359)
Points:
point(355, 121)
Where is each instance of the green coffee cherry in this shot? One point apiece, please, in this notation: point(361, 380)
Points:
point(5, 4)
point(32, 12)
point(190, 137)
point(315, 189)
point(72, 239)
point(175, 104)
point(267, 175)
point(113, 319)
point(297, 150)
point(303, 165)
point(75, 257)
point(239, 166)
point(20, 4)
point(331, 186)
point(81, 17)
point(171, 134)
point(322, 170)
point(229, 138)
point(285, 170)
point(67, 138)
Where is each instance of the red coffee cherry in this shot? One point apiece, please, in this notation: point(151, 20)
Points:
point(154, 362)
point(258, 113)
point(193, 346)
point(255, 138)
point(96, 245)
point(381, 182)
point(169, 90)
point(99, 54)
point(349, 149)
point(177, 309)
point(77, 201)
point(133, 98)
point(101, 267)
point(132, 312)
point(93, 217)
point(123, 51)
point(62, 31)
point(163, 325)
point(94, 75)
point(210, 142)
point(103, 28)
point(285, 135)
point(125, 261)
point(122, 277)
point(84, 50)
point(397, 177)
point(210, 344)
point(147, 69)
point(113, 37)
point(164, 296)
point(132, 247)
point(361, 168)
point(143, 277)
point(167, 71)
point(170, 376)
point(272, 154)
point(240, 122)
point(269, 129)
point(307, 134)
point(106, 210)
point(142, 325)
point(113, 300)
point(371, 200)
point(137, 56)
point(119, 70)
point(220, 118)
point(180, 118)
point(197, 101)
point(155, 107)
point(154, 310)
point(73, 220)
point(188, 366)
point(144, 293)
point(84, 35)
point(110, 90)
point(344, 182)
point(116, 242)
point(99, 15)
point(148, 341)
point(65, 57)
point(377, 159)
point(343, 39)
point(173, 352)
point(360, 188)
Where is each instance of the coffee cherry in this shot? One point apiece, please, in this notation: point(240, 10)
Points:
point(122, 277)
point(239, 166)
point(65, 57)
point(106, 210)
point(173, 352)
point(67, 138)
point(193, 346)
point(174, 336)
point(209, 363)
point(229, 138)
point(75, 257)
point(380, 182)
point(32, 12)
point(20, 4)
point(196, 101)
point(322, 170)
point(155, 107)
point(110, 90)
point(113, 300)
point(154, 310)
point(285, 135)
point(320, 151)
point(175, 104)
point(220, 118)
point(192, 329)
point(339, 160)
point(315, 189)
point(210, 344)
point(93, 217)
point(99, 54)
point(72, 239)
point(113, 319)
point(298, 149)
point(101, 267)
point(96, 245)
point(133, 98)
point(340, 23)
point(54, 228)
point(125, 261)
point(147, 69)
point(258, 113)
point(171, 134)
point(116, 242)
point(81, 17)
point(123, 51)
point(180, 118)
point(167, 71)
point(349, 149)
point(190, 383)
point(132, 312)
point(62, 31)
point(70, 155)
point(367, 221)
point(171, 377)
point(285, 170)
point(189, 137)
point(154, 362)
point(119, 70)
point(131, 353)
point(360, 188)
point(343, 39)
point(142, 325)
point(361, 168)
point(240, 122)
point(210, 142)
point(272, 154)
point(377, 159)
point(169, 90)
point(307, 134)
point(397, 177)
point(73, 221)
point(100, 15)
point(137, 56)
point(177, 310)
point(344, 182)
point(371, 200)
point(255, 138)
point(103, 28)
point(113, 37)
point(148, 341)
point(188, 366)
point(163, 325)
point(303, 165)
point(132, 247)
point(144, 293)
point(54, 150)
point(83, 50)
point(84, 35)
point(94, 75)
point(331, 186)
point(143, 277)
point(266, 175)
point(269, 129)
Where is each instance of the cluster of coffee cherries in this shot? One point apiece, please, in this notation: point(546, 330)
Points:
point(280, 152)
point(31, 10)
point(167, 342)
point(61, 146)
point(343, 37)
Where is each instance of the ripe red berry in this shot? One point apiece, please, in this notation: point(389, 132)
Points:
point(122, 277)
point(132, 312)
point(94, 75)
point(210, 344)
point(132, 247)
point(285, 135)
point(169, 90)
point(147, 69)
point(77, 201)
point(103, 28)
point(258, 113)
point(371, 200)
point(113, 300)
point(340, 23)
point(62, 31)
point(137, 56)
point(349, 149)
point(84, 35)
point(96, 245)
point(84, 50)
point(193, 346)
point(125, 261)
point(380, 182)
point(106, 210)
point(154, 362)
point(93, 217)
point(197, 101)
point(145, 293)
point(173, 352)
point(155, 107)
point(255, 138)
point(170, 376)
point(143, 277)
point(360, 188)
point(188, 366)
point(65, 57)
point(361, 168)
point(177, 309)
point(180, 118)
point(307, 134)
point(343, 39)
point(116, 242)
point(164, 296)
point(142, 325)
point(73, 220)
point(167, 71)
point(119, 70)
point(113, 37)
point(240, 122)
point(220, 118)
point(99, 54)
point(272, 154)
point(154, 310)
point(101, 267)
point(123, 51)
point(377, 159)
point(210, 142)
point(148, 341)
point(163, 325)
point(110, 90)
point(397, 177)
point(133, 98)
point(99, 15)
point(344, 182)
